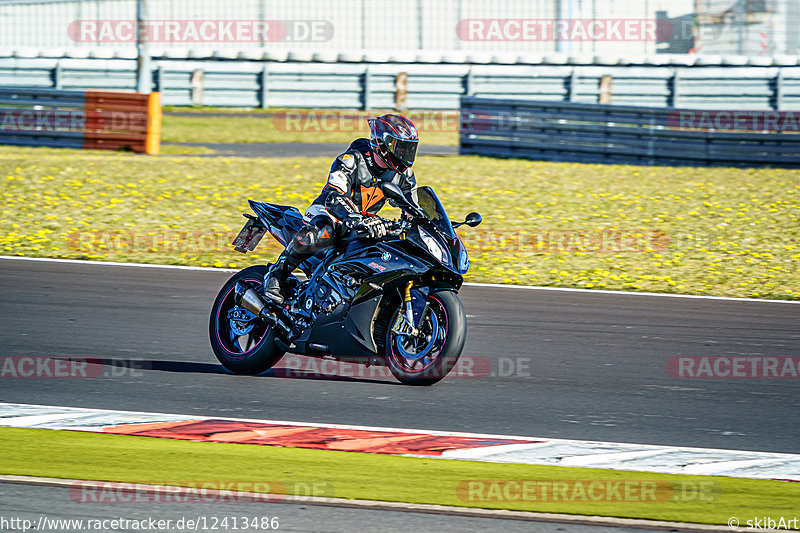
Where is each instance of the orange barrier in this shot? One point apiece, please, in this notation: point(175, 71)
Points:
point(122, 120)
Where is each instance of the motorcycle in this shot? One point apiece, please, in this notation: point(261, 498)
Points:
point(389, 302)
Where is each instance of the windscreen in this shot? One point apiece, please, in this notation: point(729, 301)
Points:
point(430, 203)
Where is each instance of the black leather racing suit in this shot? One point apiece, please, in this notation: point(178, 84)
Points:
point(353, 187)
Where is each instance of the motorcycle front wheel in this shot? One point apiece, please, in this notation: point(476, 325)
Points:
point(429, 357)
point(243, 347)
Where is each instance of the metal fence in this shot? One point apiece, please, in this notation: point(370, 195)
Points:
point(745, 27)
point(359, 85)
point(361, 24)
point(593, 133)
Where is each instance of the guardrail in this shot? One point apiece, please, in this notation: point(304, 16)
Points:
point(252, 83)
point(595, 133)
point(90, 119)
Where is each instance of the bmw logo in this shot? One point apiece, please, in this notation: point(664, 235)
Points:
point(386, 257)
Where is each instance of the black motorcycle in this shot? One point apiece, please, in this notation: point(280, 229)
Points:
point(391, 302)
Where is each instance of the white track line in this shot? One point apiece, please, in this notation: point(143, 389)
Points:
point(630, 293)
point(367, 504)
point(112, 263)
point(486, 285)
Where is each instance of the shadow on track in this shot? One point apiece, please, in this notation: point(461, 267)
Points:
point(121, 367)
point(289, 373)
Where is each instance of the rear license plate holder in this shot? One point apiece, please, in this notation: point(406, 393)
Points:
point(249, 236)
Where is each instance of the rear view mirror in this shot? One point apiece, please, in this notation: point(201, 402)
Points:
point(473, 219)
point(393, 192)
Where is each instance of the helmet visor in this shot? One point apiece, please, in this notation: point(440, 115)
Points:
point(404, 151)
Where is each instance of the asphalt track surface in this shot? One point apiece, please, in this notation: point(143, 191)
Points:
point(572, 365)
point(31, 503)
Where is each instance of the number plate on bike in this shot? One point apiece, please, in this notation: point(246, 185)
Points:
point(249, 237)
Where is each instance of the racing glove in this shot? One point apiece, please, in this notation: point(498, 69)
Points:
point(374, 227)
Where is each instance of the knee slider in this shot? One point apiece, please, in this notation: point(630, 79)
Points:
point(324, 230)
point(306, 239)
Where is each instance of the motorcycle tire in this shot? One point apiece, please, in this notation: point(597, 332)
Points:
point(449, 339)
point(260, 353)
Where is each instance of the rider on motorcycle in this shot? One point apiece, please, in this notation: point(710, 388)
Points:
point(352, 194)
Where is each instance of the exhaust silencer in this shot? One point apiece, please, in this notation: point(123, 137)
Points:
point(246, 296)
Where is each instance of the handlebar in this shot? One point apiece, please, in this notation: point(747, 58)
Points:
point(394, 227)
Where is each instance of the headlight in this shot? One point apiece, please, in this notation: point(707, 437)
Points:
point(433, 246)
point(463, 260)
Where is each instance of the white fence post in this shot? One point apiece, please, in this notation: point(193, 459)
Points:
point(144, 74)
point(676, 88)
point(779, 89)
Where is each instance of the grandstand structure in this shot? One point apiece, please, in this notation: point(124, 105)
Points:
point(747, 27)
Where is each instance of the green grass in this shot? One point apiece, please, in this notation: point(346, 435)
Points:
point(213, 109)
point(721, 231)
point(77, 455)
point(315, 126)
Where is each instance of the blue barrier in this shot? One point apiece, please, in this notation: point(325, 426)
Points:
point(593, 133)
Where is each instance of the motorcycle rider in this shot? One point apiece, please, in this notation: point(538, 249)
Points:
point(352, 194)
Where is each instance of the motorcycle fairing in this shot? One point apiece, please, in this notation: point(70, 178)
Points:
point(283, 222)
point(347, 328)
point(350, 337)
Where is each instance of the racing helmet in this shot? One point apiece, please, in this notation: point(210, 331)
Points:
point(394, 140)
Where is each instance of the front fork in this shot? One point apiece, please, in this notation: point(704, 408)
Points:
point(404, 325)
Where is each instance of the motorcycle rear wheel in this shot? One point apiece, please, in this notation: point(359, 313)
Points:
point(259, 352)
point(441, 349)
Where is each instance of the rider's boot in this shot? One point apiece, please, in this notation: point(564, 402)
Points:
point(275, 279)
